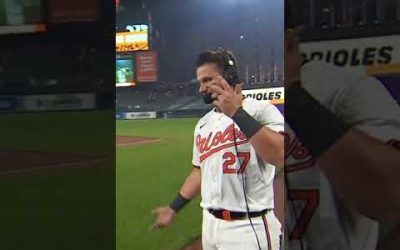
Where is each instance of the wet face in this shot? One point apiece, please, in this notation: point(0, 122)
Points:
point(207, 76)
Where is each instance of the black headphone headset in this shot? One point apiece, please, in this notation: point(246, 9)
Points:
point(231, 69)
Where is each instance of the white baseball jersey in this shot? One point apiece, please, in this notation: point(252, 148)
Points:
point(316, 215)
point(215, 153)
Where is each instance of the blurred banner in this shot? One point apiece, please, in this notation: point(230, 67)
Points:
point(378, 57)
point(119, 115)
point(147, 66)
point(274, 95)
point(139, 115)
point(60, 102)
point(62, 11)
point(357, 54)
point(10, 103)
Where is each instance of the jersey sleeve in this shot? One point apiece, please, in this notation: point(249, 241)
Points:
point(359, 100)
point(196, 153)
point(369, 106)
point(270, 116)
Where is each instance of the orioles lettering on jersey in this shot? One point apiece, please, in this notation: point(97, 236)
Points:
point(300, 154)
point(215, 142)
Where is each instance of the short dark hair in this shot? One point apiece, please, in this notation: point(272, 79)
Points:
point(220, 58)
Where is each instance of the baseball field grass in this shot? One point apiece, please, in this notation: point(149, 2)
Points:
point(71, 206)
point(64, 206)
point(150, 175)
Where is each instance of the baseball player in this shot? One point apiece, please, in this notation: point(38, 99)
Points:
point(236, 148)
point(340, 161)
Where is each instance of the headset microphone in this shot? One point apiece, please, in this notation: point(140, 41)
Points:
point(208, 99)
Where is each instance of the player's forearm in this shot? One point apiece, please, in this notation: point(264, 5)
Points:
point(190, 189)
point(269, 145)
point(192, 185)
point(364, 172)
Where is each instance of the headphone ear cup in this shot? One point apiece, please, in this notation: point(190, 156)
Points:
point(232, 76)
point(229, 77)
point(235, 77)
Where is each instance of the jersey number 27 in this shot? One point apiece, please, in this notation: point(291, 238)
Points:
point(230, 162)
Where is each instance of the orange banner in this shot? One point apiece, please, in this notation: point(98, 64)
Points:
point(146, 66)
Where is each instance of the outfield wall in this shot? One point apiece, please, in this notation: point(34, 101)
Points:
point(273, 95)
point(48, 102)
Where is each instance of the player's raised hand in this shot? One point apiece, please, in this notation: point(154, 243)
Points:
point(226, 98)
point(165, 216)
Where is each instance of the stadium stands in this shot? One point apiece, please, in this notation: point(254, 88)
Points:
point(155, 97)
point(52, 71)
